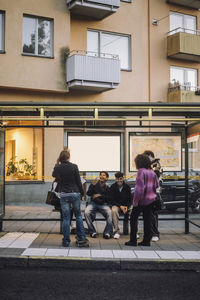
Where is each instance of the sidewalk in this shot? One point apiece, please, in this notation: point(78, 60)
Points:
point(38, 243)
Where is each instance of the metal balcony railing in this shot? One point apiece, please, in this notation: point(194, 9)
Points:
point(95, 9)
point(186, 30)
point(187, 3)
point(176, 86)
point(86, 70)
point(183, 43)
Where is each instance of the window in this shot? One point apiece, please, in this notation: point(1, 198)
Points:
point(2, 29)
point(182, 22)
point(185, 76)
point(37, 36)
point(24, 154)
point(105, 44)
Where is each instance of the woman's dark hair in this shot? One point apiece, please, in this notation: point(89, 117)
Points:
point(149, 153)
point(64, 156)
point(142, 161)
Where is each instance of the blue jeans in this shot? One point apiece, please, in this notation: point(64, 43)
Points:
point(90, 215)
point(65, 201)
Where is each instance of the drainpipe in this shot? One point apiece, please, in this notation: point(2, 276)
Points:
point(149, 54)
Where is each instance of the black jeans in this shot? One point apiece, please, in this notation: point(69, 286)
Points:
point(147, 218)
point(154, 224)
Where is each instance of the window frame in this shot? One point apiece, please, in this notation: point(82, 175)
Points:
point(119, 135)
point(2, 51)
point(184, 21)
point(51, 36)
point(41, 174)
point(185, 76)
point(100, 32)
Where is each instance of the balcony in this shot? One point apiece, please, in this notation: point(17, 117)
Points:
point(187, 3)
point(184, 44)
point(183, 93)
point(88, 71)
point(94, 9)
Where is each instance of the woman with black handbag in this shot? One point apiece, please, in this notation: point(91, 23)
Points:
point(70, 190)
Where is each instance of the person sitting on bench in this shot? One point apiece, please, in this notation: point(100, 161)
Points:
point(120, 198)
point(98, 191)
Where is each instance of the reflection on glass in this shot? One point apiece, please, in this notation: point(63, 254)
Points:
point(185, 76)
point(177, 74)
point(29, 32)
point(182, 23)
point(116, 44)
point(109, 46)
point(36, 36)
point(191, 77)
point(44, 37)
point(1, 172)
point(92, 43)
point(1, 31)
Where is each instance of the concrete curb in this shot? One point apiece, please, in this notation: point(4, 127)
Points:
point(99, 264)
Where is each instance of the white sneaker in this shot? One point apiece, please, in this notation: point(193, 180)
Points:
point(138, 236)
point(155, 239)
point(116, 236)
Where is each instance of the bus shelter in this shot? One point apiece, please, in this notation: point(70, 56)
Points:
point(177, 124)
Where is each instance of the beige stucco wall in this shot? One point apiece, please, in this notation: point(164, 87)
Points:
point(148, 50)
point(160, 64)
point(53, 145)
point(26, 78)
point(131, 18)
point(28, 72)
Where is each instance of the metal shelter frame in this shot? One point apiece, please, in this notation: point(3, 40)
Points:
point(143, 115)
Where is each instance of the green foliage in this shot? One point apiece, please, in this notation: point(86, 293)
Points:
point(64, 53)
point(11, 167)
point(19, 168)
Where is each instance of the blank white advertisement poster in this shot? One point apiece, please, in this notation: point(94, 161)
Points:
point(95, 153)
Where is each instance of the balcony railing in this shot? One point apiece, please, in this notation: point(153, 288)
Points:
point(94, 9)
point(183, 92)
point(184, 44)
point(89, 71)
point(188, 3)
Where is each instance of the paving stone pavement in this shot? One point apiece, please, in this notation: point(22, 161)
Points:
point(42, 239)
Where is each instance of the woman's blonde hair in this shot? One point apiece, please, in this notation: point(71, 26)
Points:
point(64, 156)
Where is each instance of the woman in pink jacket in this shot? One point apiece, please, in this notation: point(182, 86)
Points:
point(144, 196)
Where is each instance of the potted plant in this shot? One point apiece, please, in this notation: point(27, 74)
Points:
point(25, 170)
point(12, 168)
point(21, 169)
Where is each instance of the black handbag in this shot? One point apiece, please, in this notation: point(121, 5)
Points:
point(53, 199)
point(158, 203)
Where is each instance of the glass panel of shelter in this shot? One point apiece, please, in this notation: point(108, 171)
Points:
point(2, 194)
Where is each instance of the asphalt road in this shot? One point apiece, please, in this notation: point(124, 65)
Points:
point(48, 284)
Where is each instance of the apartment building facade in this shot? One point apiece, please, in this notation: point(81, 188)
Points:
point(94, 51)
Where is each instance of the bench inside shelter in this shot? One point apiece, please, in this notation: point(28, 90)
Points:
point(123, 218)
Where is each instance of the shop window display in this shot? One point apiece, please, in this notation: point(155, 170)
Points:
point(23, 154)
